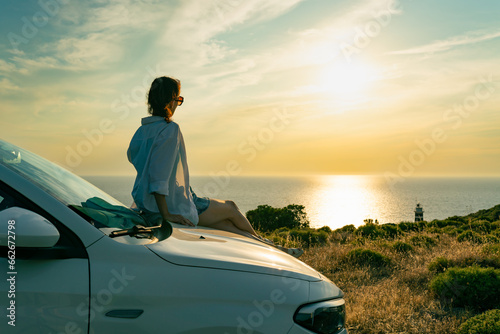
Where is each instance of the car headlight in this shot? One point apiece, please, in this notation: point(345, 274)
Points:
point(326, 317)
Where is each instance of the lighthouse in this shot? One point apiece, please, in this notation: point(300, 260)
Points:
point(419, 213)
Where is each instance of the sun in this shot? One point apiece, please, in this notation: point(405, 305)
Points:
point(345, 79)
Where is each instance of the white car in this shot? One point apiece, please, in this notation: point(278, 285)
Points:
point(75, 260)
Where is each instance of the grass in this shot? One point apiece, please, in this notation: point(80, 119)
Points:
point(393, 295)
point(396, 300)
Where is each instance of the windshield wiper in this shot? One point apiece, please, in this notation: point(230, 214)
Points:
point(134, 231)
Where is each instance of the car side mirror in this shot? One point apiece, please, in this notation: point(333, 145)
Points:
point(24, 228)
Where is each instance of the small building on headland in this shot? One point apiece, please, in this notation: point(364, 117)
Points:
point(419, 213)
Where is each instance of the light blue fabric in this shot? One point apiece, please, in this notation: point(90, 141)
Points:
point(158, 153)
point(201, 203)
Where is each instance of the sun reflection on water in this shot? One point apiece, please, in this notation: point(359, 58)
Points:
point(343, 200)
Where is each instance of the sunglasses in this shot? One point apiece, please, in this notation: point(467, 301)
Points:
point(179, 100)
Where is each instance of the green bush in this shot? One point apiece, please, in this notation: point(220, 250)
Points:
point(491, 239)
point(451, 230)
point(309, 237)
point(485, 323)
point(478, 238)
point(493, 249)
point(481, 226)
point(412, 227)
point(370, 230)
point(343, 234)
point(452, 221)
point(326, 229)
point(266, 218)
point(367, 258)
point(402, 247)
point(481, 262)
point(490, 215)
point(439, 265)
point(390, 231)
point(495, 225)
point(305, 237)
point(422, 241)
point(346, 229)
point(473, 286)
point(283, 239)
point(470, 236)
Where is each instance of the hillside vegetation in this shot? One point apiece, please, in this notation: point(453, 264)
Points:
point(433, 277)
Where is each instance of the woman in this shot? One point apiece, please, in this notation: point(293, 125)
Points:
point(158, 154)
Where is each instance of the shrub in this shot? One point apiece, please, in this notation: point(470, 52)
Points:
point(390, 231)
point(411, 227)
point(451, 230)
point(470, 236)
point(309, 237)
point(402, 247)
point(485, 323)
point(490, 215)
point(439, 265)
point(367, 258)
point(283, 239)
point(343, 234)
point(495, 225)
point(266, 218)
point(452, 221)
point(477, 238)
point(473, 286)
point(481, 226)
point(326, 229)
point(422, 241)
point(491, 239)
point(346, 229)
point(370, 230)
point(492, 249)
point(435, 230)
point(477, 261)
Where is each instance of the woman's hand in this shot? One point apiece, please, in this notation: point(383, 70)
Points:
point(179, 219)
point(162, 206)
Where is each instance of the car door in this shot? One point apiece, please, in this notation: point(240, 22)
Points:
point(42, 290)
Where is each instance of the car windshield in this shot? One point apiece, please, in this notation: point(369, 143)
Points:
point(97, 206)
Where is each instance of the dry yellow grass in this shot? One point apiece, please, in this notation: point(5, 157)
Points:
point(394, 299)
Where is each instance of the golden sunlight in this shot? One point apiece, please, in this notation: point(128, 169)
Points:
point(350, 197)
point(346, 79)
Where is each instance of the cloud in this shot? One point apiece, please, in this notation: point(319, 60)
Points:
point(192, 29)
point(30, 64)
point(472, 37)
point(6, 86)
point(91, 35)
point(7, 67)
point(91, 52)
point(202, 20)
point(92, 16)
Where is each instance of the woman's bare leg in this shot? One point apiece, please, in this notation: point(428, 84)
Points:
point(219, 211)
point(225, 216)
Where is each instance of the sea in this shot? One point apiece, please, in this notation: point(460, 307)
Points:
point(339, 200)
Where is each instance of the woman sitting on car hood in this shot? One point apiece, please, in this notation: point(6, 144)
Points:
point(158, 153)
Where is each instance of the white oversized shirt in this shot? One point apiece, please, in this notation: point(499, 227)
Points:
point(158, 154)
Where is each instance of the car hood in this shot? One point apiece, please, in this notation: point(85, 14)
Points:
point(209, 248)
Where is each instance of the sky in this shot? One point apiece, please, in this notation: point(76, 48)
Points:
point(398, 88)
